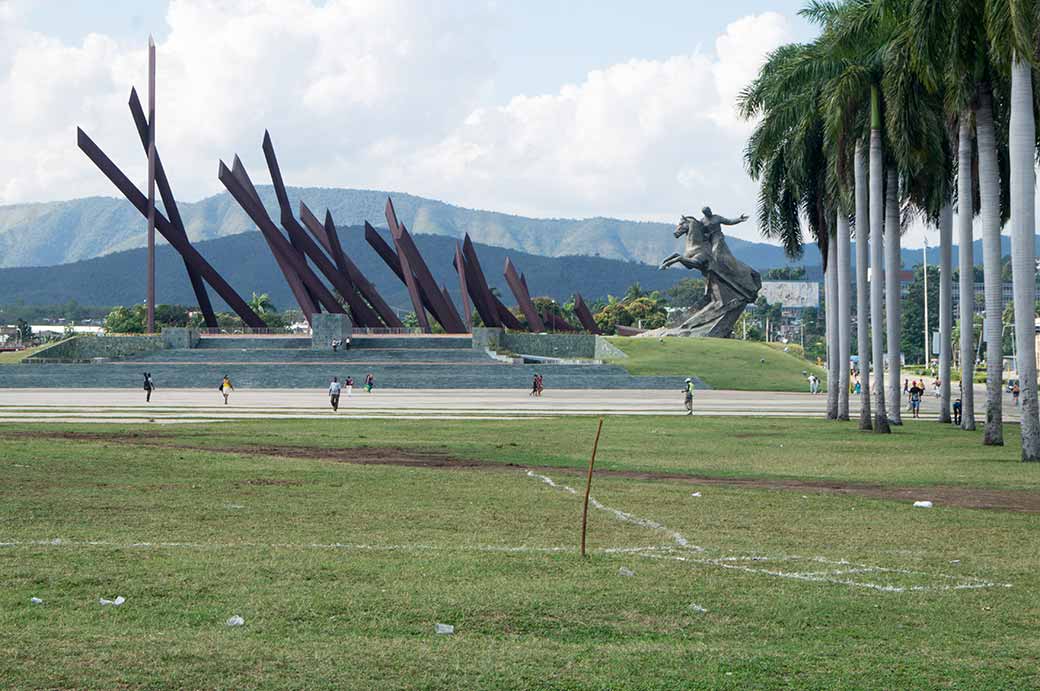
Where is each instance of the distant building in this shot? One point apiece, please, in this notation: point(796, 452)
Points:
point(1007, 295)
point(792, 295)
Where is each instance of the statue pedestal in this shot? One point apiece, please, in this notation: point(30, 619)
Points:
point(326, 328)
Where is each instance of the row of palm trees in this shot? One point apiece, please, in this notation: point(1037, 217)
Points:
point(903, 109)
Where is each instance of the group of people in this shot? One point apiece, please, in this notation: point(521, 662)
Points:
point(537, 385)
point(336, 388)
point(337, 344)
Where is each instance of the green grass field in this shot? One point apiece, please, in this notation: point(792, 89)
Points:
point(12, 357)
point(341, 569)
point(722, 363)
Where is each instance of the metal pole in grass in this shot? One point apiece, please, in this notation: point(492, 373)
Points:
point(588, 487)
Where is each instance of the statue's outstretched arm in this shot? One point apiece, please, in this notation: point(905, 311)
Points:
point(732, 221)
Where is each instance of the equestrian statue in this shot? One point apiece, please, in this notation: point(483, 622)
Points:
point(730, 285)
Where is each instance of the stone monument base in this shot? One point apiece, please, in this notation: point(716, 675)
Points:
point(326, 328)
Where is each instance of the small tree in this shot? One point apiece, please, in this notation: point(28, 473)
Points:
point(24, 330)
point(126, 320)
point(261, 304)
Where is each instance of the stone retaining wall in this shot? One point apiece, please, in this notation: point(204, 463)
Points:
point(564, 346)
point(88, 347)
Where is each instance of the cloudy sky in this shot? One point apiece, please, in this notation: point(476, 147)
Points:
point(620, 109)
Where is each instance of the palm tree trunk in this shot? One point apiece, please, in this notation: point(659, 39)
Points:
point(862, 295)
point(945, 307)
point(877, 266)
point(833, 376)
point(989, 188)
point(893, 264)
point(844, 320)
point(1022, 143)
point(966, 266)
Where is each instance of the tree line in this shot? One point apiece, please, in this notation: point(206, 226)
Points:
point(903, 109)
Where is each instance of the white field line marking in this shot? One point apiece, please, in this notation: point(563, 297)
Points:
point(418, 547)
point(734, 563)
point(622, 515)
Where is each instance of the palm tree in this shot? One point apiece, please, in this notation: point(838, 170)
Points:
point(893, 323)
point(1015, 19)
point(261, 304)
point(844, 313)
point(966, 269)
point(877, 263)
point(862, 294)
point(945, 309)
point(989, 194)
point(787, 154)
point(951, 48)
point(833, 347)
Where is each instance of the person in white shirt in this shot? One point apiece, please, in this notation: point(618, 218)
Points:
point(334, 390)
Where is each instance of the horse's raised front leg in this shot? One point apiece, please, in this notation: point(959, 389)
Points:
point(668, 261)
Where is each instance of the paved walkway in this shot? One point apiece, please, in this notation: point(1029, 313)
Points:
point(199, 405)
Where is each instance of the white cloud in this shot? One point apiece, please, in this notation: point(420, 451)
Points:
point(388, 94)
point(330, 81)
point(642, 139)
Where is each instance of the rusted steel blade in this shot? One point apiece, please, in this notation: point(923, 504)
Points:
point(172, 235)
point(252, 205)
point(460, 269)
point(478, 287)
point(237, 186)
point(406, 270)
point(584, 315)
point(361, 314)
point(522, 298)
point(170, 203)
point(443, 312)
point(347, 267)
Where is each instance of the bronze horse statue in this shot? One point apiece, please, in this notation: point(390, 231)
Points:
point(730, 284)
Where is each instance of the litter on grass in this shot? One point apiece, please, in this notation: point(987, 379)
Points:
point(695, 494)
point(115, 603)
point(235, 621)
point(923, 504)
point(444, 629)
point(697, 608)
point(36, 600)
point(625, 571)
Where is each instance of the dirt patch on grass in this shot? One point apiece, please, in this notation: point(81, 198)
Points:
point(268, 482)
point(1024, 501)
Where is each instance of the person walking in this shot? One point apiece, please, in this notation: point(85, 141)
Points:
point(539, 384)
point(334, 390)
point(1016, 391)
point(226, 388)
point(534, 385)
point(915, 399)
point(149, 387)
point(349, 384)
point(957, 411)
point(688, 396)
point(370, 381)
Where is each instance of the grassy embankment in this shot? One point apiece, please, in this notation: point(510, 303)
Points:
point(721, 363)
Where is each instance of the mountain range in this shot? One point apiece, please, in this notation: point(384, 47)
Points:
point(52, 233)
point(247, 264)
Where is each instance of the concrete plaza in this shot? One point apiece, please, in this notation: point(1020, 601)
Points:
point(200, 405)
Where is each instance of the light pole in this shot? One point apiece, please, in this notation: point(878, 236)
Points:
point(150, 309)
point(927, 352)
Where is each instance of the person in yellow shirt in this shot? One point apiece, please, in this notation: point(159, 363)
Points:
point(226, 388)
